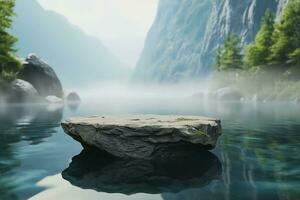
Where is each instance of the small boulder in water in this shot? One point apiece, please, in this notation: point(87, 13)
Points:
point(53, 99)
point(20, 91)
point(41, 76)
point(73, 97)
point(228, 94)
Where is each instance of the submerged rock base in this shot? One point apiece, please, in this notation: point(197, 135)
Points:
point(145, 137)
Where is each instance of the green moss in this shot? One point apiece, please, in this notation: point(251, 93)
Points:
point(200, 132)
point(185, 119)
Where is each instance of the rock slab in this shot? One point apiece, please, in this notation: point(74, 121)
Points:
point(145, 137)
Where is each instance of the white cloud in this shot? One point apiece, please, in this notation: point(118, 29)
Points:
point(115, 22)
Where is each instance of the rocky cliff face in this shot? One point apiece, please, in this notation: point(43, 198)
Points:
point(186, 33)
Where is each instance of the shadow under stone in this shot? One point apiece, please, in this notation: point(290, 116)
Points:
point(104, 173)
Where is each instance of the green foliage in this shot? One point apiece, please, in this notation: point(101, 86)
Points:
point(257, 53)
point(286, 36)
point(294, 57)
point(229, 55)
point(219, 57)
point(9, 65)
point(276, 46)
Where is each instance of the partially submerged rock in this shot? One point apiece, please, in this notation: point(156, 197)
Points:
point(54, 100)
point(41, 76)
point(223, 94)
point(145, 137)
point(73, 100)
point(228, 94)
point(73, 97)
point(20, 91)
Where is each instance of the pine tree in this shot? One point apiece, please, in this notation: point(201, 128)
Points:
point(218, 57)
point(229, 55)
point(258, 53)
point(287, 35)
point(294, 57)
point(9, 65)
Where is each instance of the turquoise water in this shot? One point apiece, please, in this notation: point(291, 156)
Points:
point(257, 156)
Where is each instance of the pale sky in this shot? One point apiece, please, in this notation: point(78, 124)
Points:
point(121, 25)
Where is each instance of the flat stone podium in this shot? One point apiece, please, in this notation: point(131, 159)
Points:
point(145, 136)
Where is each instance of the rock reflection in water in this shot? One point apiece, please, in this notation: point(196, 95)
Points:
point(73, 105)
point(104, 173)
point(31, 123)
point(40, 118)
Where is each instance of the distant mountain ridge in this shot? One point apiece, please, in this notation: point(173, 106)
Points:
point(183, 40)
point(76, 57)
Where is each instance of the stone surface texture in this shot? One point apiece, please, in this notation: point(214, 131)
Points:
point(20, 91)
point(145, 137)
point(73, 97)
point(41, 76)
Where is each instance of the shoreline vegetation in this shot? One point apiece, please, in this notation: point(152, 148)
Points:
point(9, 63)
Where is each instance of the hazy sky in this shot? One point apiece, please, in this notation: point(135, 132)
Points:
point(121, 25)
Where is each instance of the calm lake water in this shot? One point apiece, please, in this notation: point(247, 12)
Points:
point(257, 157)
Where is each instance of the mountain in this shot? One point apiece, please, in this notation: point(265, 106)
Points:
point(183, 40)
point(76, 57)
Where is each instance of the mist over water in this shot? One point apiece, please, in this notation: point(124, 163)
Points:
point(256, 157)
point(134, 98)
point(127, 96)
